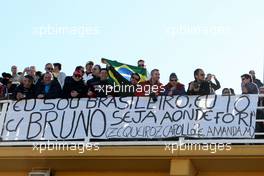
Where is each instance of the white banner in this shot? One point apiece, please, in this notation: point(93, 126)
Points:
point(131, 118)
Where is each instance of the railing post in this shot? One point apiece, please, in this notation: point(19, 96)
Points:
point(182, 167)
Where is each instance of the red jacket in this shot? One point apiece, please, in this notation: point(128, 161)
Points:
point(180, 89)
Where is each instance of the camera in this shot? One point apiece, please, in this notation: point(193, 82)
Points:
point(196, 85)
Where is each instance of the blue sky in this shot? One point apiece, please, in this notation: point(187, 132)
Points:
point(224, 37)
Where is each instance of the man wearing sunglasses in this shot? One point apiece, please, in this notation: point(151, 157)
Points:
point(48, 87)
point(128, 88)
point(49, 67)
point(247, 85)
point(174, 87)
point(199, 86)
point(74, 86)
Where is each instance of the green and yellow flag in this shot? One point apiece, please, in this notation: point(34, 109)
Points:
point(120, 73)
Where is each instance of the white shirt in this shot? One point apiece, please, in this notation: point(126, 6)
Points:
point(87, 77)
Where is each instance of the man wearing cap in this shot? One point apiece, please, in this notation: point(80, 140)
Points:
point(174, 87)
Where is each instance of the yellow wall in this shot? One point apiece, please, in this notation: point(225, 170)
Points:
point(75, 173)
point(134, 160)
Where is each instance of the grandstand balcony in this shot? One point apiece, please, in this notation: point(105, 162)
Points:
point(197, 157)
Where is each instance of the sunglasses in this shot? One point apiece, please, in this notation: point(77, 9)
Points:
point(202, 74)
point(174, 80)
point(77, 76)
point(49, 68)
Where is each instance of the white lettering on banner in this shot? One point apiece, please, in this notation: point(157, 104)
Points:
point(210, 116)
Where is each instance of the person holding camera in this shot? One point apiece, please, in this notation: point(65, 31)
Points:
point(213, 86)
point(31, 71)
point(199, 86)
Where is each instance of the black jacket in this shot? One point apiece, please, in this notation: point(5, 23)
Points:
point(90, 85)
point(204, 88)
point(54, 91)
point(213, 86)
point(29, 93)
point(70, 84)
point(105, 85)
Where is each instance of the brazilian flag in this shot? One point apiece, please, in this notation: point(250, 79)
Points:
point(120, 73)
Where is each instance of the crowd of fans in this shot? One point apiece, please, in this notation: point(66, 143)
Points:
point(84, 82)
